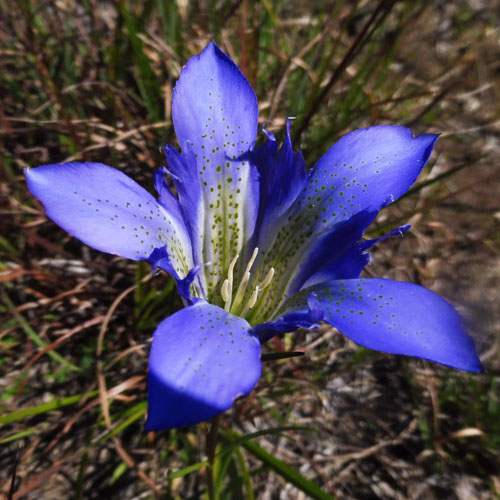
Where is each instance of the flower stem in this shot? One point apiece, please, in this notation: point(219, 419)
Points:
point(211, 444)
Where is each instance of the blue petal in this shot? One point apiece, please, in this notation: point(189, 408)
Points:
point(165, 196)
point(367, 169)
point(187, 287)
point(361, 173)
point(108, 211)
point(394, 317)
point(215, 113)
point(202, 358)
point(183, 169)
point(214, 105)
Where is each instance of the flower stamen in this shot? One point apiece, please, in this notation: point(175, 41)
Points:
point(227, 286)
point(251, 301)
point(267, 280)
point(246, 278)
point(226, 291)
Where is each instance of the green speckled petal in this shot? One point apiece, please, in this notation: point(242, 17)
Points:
point(110, 212)
point(361, 173)
point(215, 115)
point(394, 317)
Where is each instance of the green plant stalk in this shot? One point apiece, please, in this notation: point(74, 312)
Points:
point(211, 445)
point(245, 473)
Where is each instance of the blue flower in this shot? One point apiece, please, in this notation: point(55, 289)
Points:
point(258, 245)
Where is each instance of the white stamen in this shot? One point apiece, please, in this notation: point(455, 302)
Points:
point(253, 298)
point(252, 259)
point(227, 286)
point(224, 291)
point(230, 277)
point(251, 301)
point(246, 278)
point(267, 279)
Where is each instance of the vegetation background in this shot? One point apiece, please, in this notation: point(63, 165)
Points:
point(92, 80)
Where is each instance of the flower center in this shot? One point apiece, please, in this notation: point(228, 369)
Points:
point(235, 306)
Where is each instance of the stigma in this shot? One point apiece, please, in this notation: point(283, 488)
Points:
point(235, 304)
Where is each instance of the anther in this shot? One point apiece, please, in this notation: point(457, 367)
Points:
point(253, 298)
point(252, 259)
point(224, 291)
point(251, 301)
point(227, 286)
point(267, 279)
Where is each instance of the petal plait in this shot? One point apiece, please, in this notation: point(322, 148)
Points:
point(108, 211)
point(327, 266)
point(183, 170)
point(282, 177)
point(201, 359)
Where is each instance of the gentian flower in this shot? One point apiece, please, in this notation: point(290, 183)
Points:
point(257, 244)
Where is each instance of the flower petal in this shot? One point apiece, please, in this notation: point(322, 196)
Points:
point(213, 104)
point(364, 171)
point(394, 317)
point(110, 212)
point(367, 169)
point(214, 111)
point(202, 358)
point(189, 289)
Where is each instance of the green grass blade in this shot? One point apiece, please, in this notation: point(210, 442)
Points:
point(7, 247)
point(237, 439)
point(19, 435)
point(117, 473)
point(139, 411)
point(245, 475)
point(234, 489)
point(44, 408)
point(187, 470)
